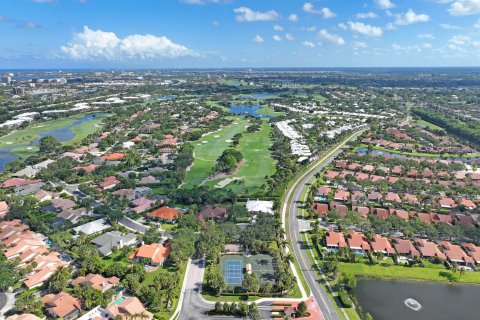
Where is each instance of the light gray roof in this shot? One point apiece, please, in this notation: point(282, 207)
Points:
point(107, 241)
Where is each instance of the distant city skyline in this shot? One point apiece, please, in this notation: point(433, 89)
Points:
point(238, 33)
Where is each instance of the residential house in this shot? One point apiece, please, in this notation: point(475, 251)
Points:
point(130, 309)
point(113, 157)
point(92, 227)
point(429, 250)
point(108, 183)
point(358, 243)
point(321, 209)
point(257, 206)
point(468, 204)
point(341, 195)
point(323, 192)
point(62, 305)
point(24, 316)
point(71, 215)
point(447, 203)
point(425, 217)
point(375, 196)
point(362, 211)
point(109, 241)
point(3, 209)
point(335, 240)
point(148, 180)
point(405, 248)
point(381, 244)
point(142, 192)
point(97, 282)
point(392, 197)
point(399, 213)
point(473, 251)
point(380, 212)
point(16, 182)
point(46, 267)
point(63, 204)
point(166, 214)
point(339, 208)
point(43, 195)
point(128, 194)
point(212, 212)
point(154, 253)
point(142, 204)
point(438, 217)
point(455, 254)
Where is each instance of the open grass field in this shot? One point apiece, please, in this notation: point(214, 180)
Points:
point(429, 273)
point(258, 162)
point(268, 111)
point(206, 154)
point(428, 124)
point(85, 129)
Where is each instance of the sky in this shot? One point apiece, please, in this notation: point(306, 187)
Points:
point(238, 33)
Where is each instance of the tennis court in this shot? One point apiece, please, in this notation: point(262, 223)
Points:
point(233, 272)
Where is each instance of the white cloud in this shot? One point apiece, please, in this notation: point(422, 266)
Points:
point(359, 45)
point(365, 29)
point(277, 38)
point(248, 15)
point(29, 25)
point(325, 12)
point(459, 40)
point(425, 36)
point(449, 26)
point(464, 7)
point(278, 27)
point(410, 17)
point(289, 37)
point(384, 4)
point(308, 44)
point(417, 48)
point(367, 15)
point(342, 26)
point(324, 34)
point(293, 17)
point(97, 44)
point(477, 24)
point(258, 39)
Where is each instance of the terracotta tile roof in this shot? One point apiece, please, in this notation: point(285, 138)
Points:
point(96, 281)
point(357, 240)
point(425, 217)
point(113, 156)
point(130, 306)
point(165, 213)
point(473, 251)
point(341, 195)
point(363, 211)
point(335, 239)
point(439, 217)
point(455, 253)
point(61, 304)
point(156, 252)
point(15, 182)
point(429, 249)
point(323, 191)
point(381, 244)
point(25, 316)
point(405, 247)
point(109, 181)
point(321, 208)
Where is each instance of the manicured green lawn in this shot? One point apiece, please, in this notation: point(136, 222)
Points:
point(206, 154)
point(268, 111)
point(428, 124)
point(257, 164)
point(85, 129)
point(399, 272)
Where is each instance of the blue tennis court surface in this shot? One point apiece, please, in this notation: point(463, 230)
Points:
point(233, 271)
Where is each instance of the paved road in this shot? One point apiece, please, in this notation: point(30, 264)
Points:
point(299, 250)
point(194, 307)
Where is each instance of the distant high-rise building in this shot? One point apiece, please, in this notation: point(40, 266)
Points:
point(6, 79)
point(18, 91)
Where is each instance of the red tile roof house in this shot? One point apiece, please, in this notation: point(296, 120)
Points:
point(358, 243)
point(405, 248)
point(128, 308)
point(358, 197)
point(142, 204)
point(381, 244)
point(392, 197)
point(429, 250)
point(166, 214)
point(438, 217)
point(211, 212)
point(334, 240)
point(375, 196)
point(464, 220)
point(468, 204)
point(473, 251)
point(341, 195)
point(380, 212)
point(425, 217)
point(360, 176)
point(411, 198)
point(456, 254)
point(154, 253)
point(108, 183)
point(374, 178)
point(447, 203)
point(339, 208)
point(62, 305)
point(399, 213)
point(323, 191)
point(3, 209)
point(330, 175)
point(25, 316)
point(321, 209)
point(113, 157)
point(128, 194)
point(397, 170)
point(16, 182)
point(97, 282)
point(362, 211)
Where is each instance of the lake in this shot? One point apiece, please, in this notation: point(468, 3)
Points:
point(63, 135)
point(385, 300)
point(243, 110)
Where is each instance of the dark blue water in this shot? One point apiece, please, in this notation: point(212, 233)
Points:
point(243, 110)
point(6, 156)
point(263, 95)
point(385, 300)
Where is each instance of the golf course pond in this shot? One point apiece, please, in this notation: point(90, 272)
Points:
point(418, 300)
point(64, 130)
